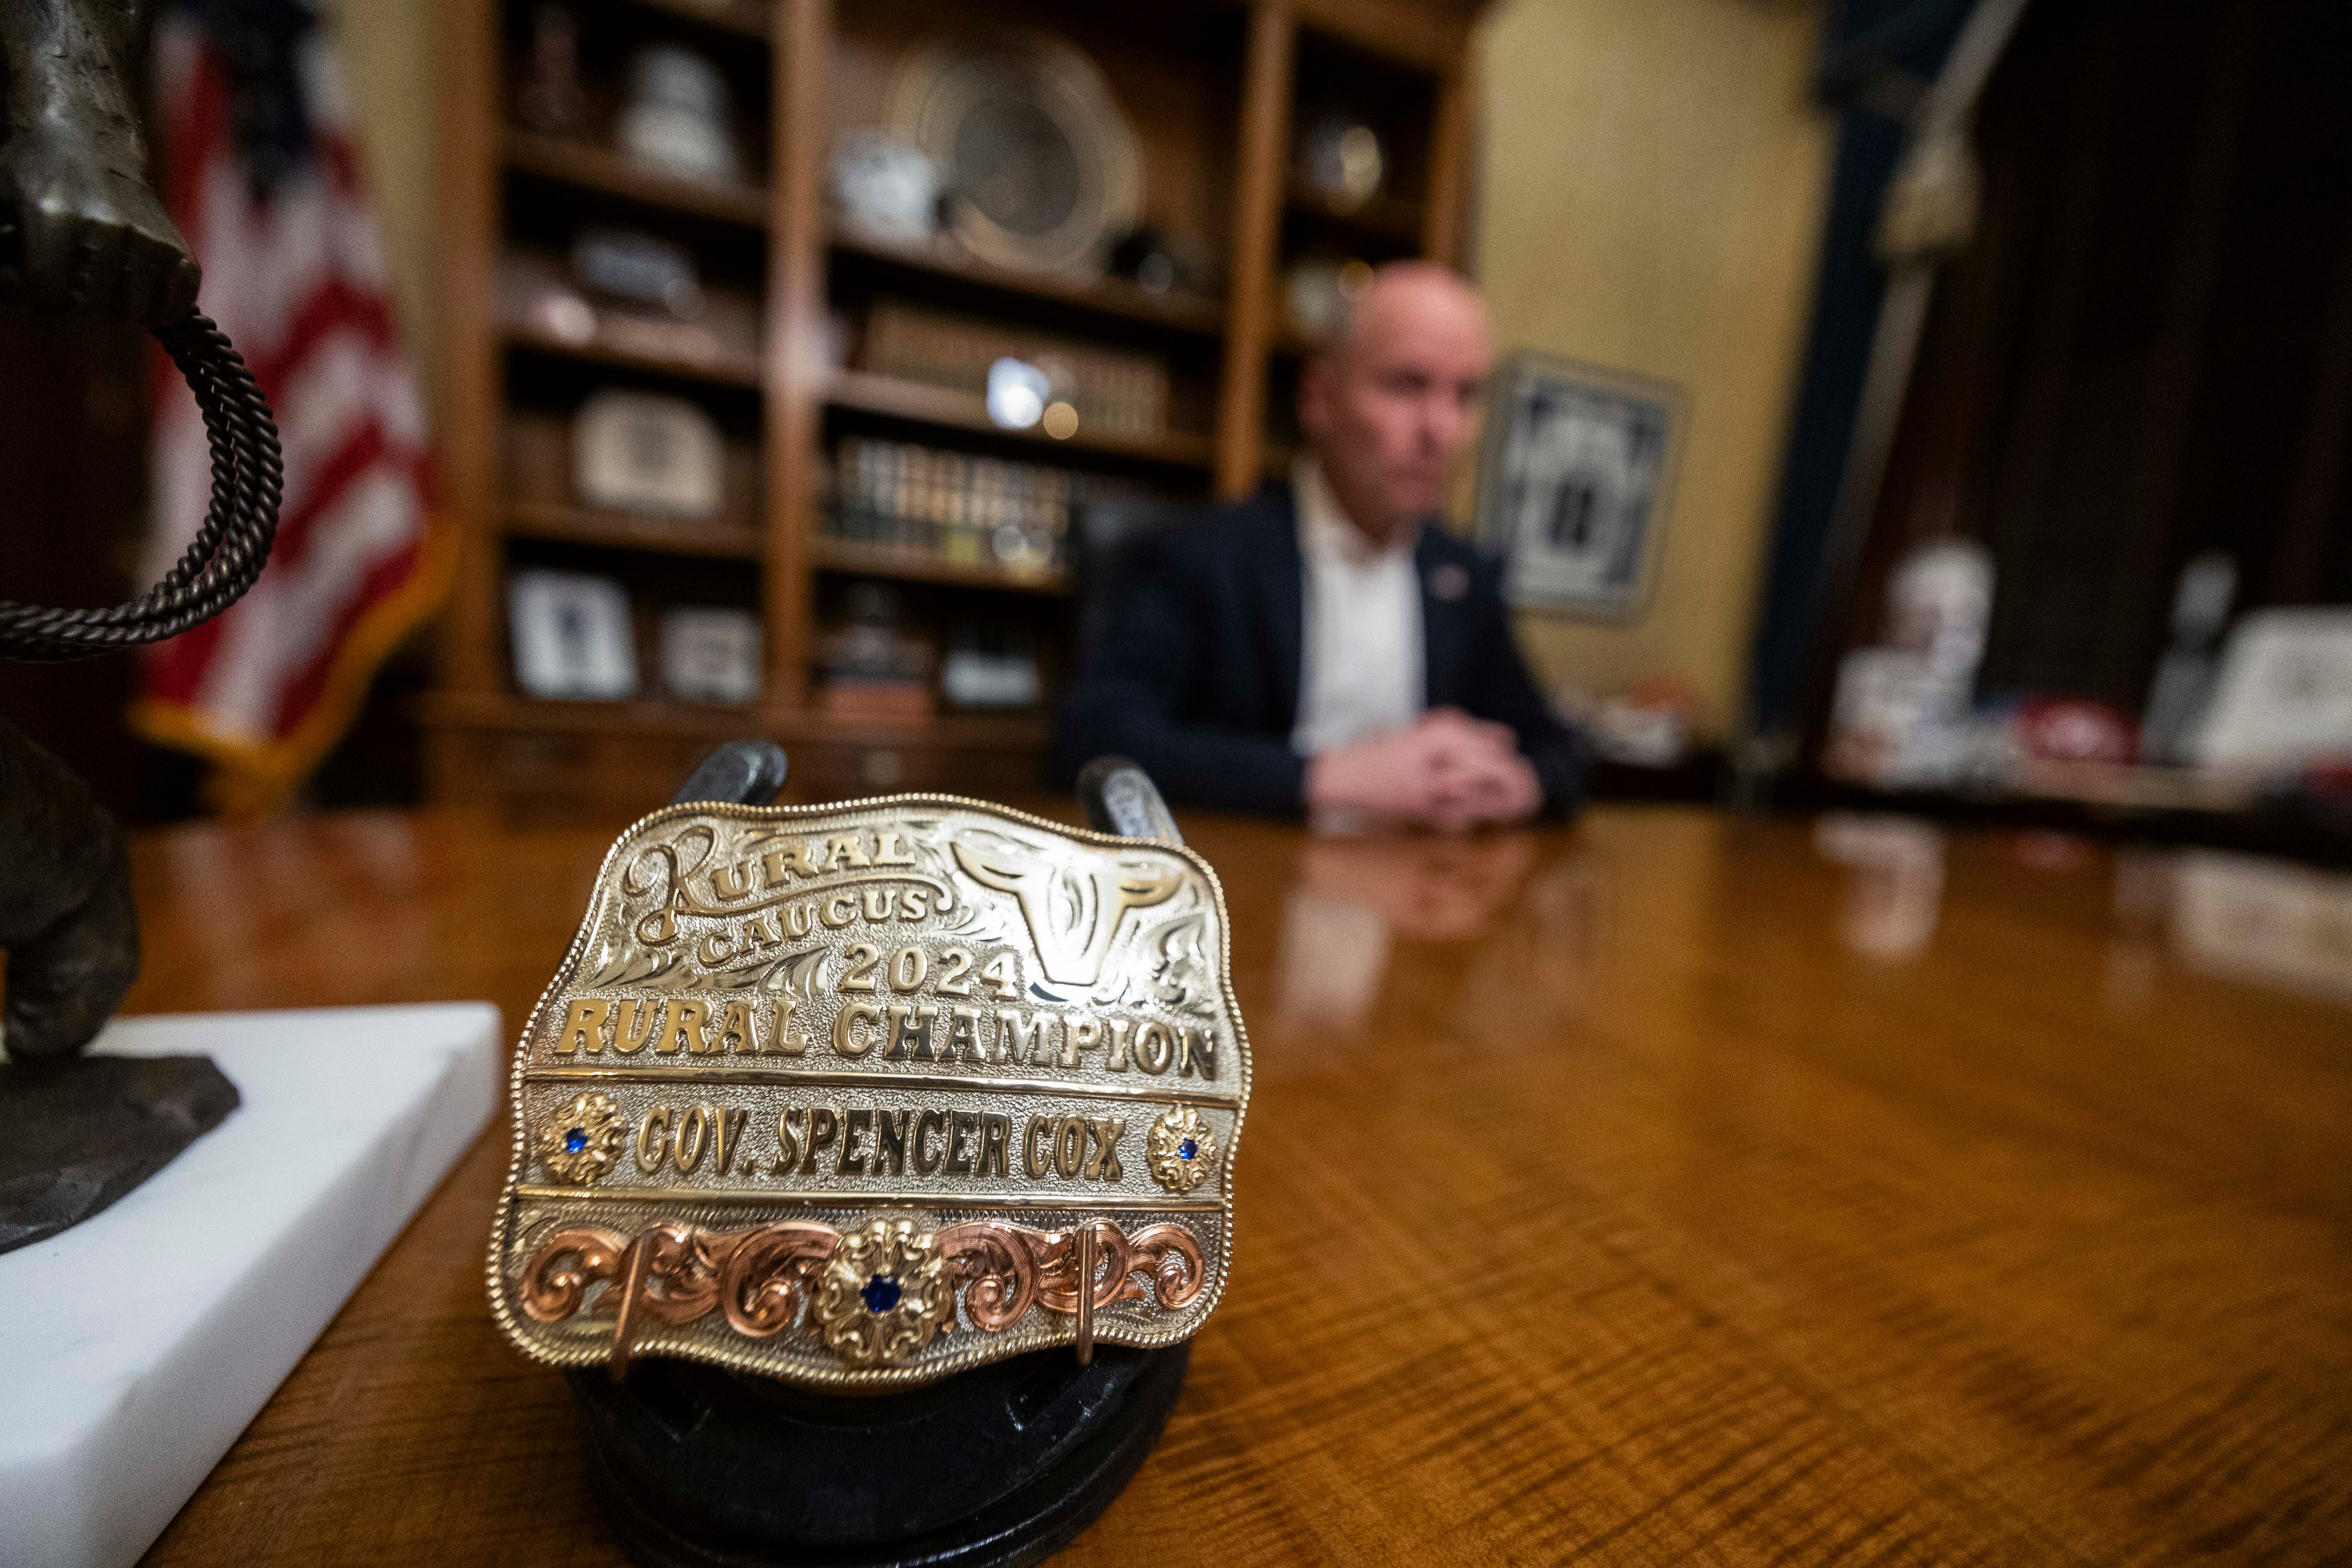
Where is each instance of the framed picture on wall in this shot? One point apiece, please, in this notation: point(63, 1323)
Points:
point(573, 636)
point(1575, 476)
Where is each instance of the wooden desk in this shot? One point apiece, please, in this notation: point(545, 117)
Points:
point(1646, 1219)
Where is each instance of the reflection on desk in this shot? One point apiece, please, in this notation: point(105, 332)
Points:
point(1643, 1214)
point(2261, 920)
point(1352, 896)
point(2265, 920)
point(1894, 888)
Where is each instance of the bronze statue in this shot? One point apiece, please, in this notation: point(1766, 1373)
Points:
point(90, 234)
point(81, 231)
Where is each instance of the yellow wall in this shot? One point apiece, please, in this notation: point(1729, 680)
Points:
point(387, 48)
point(1651, 199)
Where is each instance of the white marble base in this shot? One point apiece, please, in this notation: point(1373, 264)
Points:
point(134, 1348)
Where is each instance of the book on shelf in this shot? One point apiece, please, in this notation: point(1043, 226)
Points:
point(540, 469)
point(547, 306)
point(1113, 392)
point(877, 701)
point(958, 509)
point(874, 664)
point(992, 666)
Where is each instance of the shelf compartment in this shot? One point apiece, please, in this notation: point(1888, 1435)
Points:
point(711, 373)
point(1197, 314)
point(598, 169)
point(1283, 340)
point(744, 19)
point(1381, 216)
point(943, 406)
point(630, 531)
point(829, 553)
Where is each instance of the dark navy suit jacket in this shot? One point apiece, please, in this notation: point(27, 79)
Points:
point(1196, 671)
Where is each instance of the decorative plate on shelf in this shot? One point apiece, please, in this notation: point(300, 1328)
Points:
point(1041, 168)
point(648, 452)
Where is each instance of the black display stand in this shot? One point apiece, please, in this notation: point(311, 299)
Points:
point(992, 1467)
point(1002, 1465)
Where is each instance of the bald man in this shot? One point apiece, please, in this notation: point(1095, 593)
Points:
point(1323, 645)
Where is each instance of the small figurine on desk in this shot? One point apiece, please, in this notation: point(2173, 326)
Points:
point(81, 231)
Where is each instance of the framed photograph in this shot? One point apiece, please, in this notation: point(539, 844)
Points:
point(1574, 483)
point(649, 452)
point(573, 636)
point(713, 656)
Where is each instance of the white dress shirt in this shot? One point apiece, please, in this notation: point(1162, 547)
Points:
point(1362, 667)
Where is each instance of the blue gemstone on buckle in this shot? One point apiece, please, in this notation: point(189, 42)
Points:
point(575, 1140)
point(881, 1293)
point(1188, 1150)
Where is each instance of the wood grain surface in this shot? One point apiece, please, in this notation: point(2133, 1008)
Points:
point(1660, 1190)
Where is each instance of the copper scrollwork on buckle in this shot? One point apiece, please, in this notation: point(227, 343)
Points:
point(876, 1295)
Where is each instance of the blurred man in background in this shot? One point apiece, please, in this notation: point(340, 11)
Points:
point(1324, 645)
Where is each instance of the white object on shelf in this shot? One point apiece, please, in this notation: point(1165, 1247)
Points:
point(971, 679)
point(711, 655)
point(574, 638)
point(1017, 392)
point(137, 1345)
point(648, 451)
point(885, 188)
point(678, 114)
point(2284, 694)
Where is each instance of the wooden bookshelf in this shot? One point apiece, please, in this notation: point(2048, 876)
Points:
point(592, 168)
point(947, 408)
point(714, 371)
point(1389, 220)
point(631, 530)
point(858, 557)
point(1115, 297)
point(1211, 91)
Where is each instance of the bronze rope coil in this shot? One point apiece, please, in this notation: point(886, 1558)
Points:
point(227, 553)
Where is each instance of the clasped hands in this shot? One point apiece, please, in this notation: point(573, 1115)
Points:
point(1446, 769)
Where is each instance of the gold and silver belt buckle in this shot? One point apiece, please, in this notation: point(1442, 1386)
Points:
point(860, 1096)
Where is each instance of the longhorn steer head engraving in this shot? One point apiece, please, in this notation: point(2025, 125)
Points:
point(1074, 907)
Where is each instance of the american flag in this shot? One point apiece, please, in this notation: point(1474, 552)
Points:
point(262, 175)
